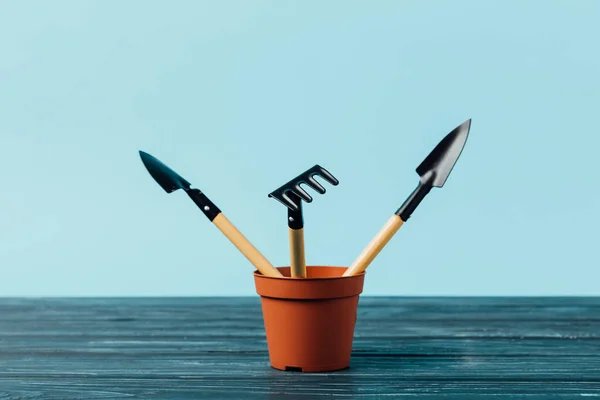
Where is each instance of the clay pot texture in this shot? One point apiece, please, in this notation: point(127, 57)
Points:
point(309, 322)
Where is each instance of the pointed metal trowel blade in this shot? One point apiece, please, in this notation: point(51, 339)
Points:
point(168, 179)
point(439, 163)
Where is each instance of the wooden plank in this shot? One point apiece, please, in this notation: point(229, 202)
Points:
point(155, 348)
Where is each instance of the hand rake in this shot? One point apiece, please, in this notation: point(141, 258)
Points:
point(291, 195)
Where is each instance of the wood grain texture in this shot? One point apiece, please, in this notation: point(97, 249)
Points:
point(297, 257)
point(245, 247)
point(190, 348)
point(374, 247)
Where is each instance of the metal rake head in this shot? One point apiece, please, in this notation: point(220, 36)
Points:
point(291, 193)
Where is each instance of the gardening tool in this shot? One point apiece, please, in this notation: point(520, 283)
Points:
point(434, 171)
point(170, 181)
point(290, 195)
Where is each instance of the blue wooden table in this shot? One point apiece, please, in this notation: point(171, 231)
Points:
point(189, 348)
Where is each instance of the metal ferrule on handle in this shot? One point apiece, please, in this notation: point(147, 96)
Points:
point(413, 201)
point(214, 214)
point(208, 207)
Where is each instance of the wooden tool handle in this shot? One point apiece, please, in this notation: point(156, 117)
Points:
point(297, 261)
point(243, 245)
point(379, 241)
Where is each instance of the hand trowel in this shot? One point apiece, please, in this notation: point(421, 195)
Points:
point(433, 172)
point(171, 181)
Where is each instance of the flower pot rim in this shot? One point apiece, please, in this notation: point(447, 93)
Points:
point(261, 276)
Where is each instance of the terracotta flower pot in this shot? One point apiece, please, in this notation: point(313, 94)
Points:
point(309, 322)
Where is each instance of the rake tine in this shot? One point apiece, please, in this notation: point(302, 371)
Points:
point(322, 172)
point(300, 192)
point(286, 200)
point(313, 183)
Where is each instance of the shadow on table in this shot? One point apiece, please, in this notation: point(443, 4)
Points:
point(303, 386)
point(371, 373)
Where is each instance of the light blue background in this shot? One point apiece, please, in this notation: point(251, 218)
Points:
point(241, 96)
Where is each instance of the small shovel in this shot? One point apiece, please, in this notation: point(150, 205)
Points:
point(170, 181)
point(290, 195)
point(434, 171)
